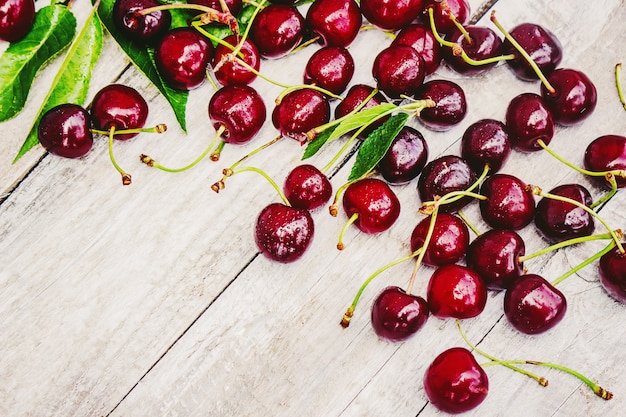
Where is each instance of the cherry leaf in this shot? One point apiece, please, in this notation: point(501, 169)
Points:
point(53, 29)
point(376, 145)
point(317, 143)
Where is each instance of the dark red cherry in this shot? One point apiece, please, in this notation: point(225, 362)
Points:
point(64, 130)
point(494, 255)
point(607, 153)
point(307, 187)
point(483, 44)
point(454, 382)
point(330, 68)
point(355, 96)
point(140, 28)
point(300, 111)
point(283, 233)
point(234, 6)
point(448, 243)
point(16, 19)
point(450, 104)
point(277, 30)
point(399, 70)
point(391, 14)
point(406, 157)
point(528, 120)
point(121, 107)
point(460, 9)
point(510, 203)
point(612, 268)
point(574, 98)
point(486, 142)
point(558, 220)
point(542, 46)
point(376, 205)
point(396, 315)
point(532, 305)
point(182, 58)
point(240, 110)
point(443, 175)
point(456, 291)
point(229, 71)
point(421, 38)
point(336, 22)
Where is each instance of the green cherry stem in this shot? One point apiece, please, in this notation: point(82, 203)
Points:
point(565, 243)
point(457, 195)
point(208, 14)
point(230, 172)
point(618, 84)
point(420, 256)
point(467, 221)
point(160, 128)
point(215, 155)
point(333, 209)
point(126, 178)
point(351, 220)
point(583, 264)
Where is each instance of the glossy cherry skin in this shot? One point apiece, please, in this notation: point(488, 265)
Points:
point(228, 71)
point(375, 203)
point(234, 6)
point(336, 22)
point(532, 305)
point(182, 58)
point(612, 267)
point(459, 8)
point(284, 233)
point(421, 38)
point(454, 382)
point(389, 14)
point(240, 110)
point(64, 130)
point(406, 157)
point(307, 187)
point(399, 70)
point(16, 19)
point(121, 107)
point(443, 175)
point(277, 30)
point(140, 28)
point(355, 96)
point(331, 68)
point(494, 255)
point(450, 104)
point(510, 203)
point(396, 315)
point(542, 46)
point(558, 220)
point(448, 242)
point(574, 98)
point(484, 44)
point(456, 291)
point(606, 153)
point(528, 120)
point(300, 111)
point(486, 142)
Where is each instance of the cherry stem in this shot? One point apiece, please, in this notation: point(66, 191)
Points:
point(257, 8)
point(467, 221)
point(523, 53)
point(345, 321)
point(215, 155)
point(230, 172)
point(351, 220)
point(160, 128)
point(208, 14)
point(309, 86)
point(333, 209)
point(420, 256)
point(583, 264)
point(564, 244)
point(126, 178)
point(618, 84)
point(198, 26)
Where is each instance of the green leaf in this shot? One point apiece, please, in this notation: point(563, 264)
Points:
point(72, 81)
point(316, 144)
point(376, 145)
point(53, 29)
point(362, 118)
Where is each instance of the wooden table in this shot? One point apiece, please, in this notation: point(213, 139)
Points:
point(152, 299)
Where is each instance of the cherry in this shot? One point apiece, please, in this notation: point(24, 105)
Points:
point(16, 19)
point(239, 110)
point(528, 120)
point(494, 255)
point(574, 98)
point(229, 71)
point(336, 22)
point(396, 315)
point(607, 153)
point(141, 28)
point(121, 107)
point(456, 291)
point(460, 9)
point(443, 175)
point(373, 204)
point(355, 96)
point(277, 30)
point(406, 157)
point(234, 6)
point(486, 142)
point(448, 243)
point(64, 130)
point(307, 187)
point(612, 267)
point(421, 38)
point(559, 220)
point(182, 58)
point(283, 233)
point(450, 104)
point(300, 111)
point(483, 44)
point(399, 70)
point(330, 68)
point(454, 382)
point(510, 203)
point(532, 305)
point(391, 14)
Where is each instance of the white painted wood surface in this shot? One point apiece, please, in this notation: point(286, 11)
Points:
point(151, 299)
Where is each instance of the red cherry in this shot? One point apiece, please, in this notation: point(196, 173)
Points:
point(486, 142)
point(450, 104)
point(307, 187)
point(277, 30)
point(336, 22)
point(607, 153)
point(121, 107)
point(406, 157)
point(399, 70)
point(494, 255)
point(140, 28)
point(456, 291)
point(64, 130)
point(240, 110)
point(228, 71)
point(443, 175)
point(448, 243)
point(460, 9)
point(16, 19)
point(376, 205)
point(391, 14)
point(510, 203)
point(528, 120)
point(612, 267)
point(234, 6)
point(574, 98)
point(484, 44)
point(421, 38)
point(540, 44)
point(396, 315)
point(300, 111)
point(330, 68)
